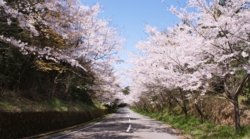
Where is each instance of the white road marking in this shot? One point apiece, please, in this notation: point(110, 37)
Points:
point(128, 128)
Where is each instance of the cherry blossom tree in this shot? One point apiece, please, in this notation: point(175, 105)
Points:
point(82, 39)
point(224, 27)
point(170, 63)
point(212, 41)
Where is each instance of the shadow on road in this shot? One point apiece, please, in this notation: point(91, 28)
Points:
point(115, 127)
point(109, 129)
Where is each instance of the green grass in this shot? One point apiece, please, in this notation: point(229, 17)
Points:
point(19, 104)
point(191, 126)
point(98, 105)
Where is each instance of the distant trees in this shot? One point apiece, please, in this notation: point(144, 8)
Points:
point(210, 45)
point(126, 90)
point(55, 46)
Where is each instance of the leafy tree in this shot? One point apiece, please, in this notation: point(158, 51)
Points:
point(126, 90)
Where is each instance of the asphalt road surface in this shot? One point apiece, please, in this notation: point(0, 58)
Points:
point(125, 124)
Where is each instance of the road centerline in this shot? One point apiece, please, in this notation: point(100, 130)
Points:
point(128, 128)
point(118, 126)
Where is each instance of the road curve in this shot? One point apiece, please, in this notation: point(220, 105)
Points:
point(125, 124)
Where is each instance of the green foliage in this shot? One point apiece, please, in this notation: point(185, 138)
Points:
point(37, 79)
point(81, 94)
point(11, 63)
point(126, 90)
point(14, 103)
point(27, 77)
point(58, 105)
point(98, 105)
point(246, 91)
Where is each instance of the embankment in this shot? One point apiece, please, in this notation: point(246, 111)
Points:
point(24, 124)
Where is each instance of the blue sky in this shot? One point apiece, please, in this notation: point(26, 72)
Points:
point(131, 16)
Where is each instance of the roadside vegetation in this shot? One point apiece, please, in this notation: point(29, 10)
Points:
point(22, 104)
point(191, 127)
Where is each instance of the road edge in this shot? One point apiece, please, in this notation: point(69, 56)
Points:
point(55, 133)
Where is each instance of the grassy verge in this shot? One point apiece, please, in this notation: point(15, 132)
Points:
point(19, 104)
point(192, 128)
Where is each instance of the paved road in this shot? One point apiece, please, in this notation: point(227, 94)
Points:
point(125, 124)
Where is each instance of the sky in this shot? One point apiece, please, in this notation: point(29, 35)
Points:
point(131, 16)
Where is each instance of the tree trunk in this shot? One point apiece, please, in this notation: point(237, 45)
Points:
point(25, 63)
point(54, 86)
point(233, 96)
point(170, 105)
point(236, 114)
point(184, 107)
point(200, 112)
